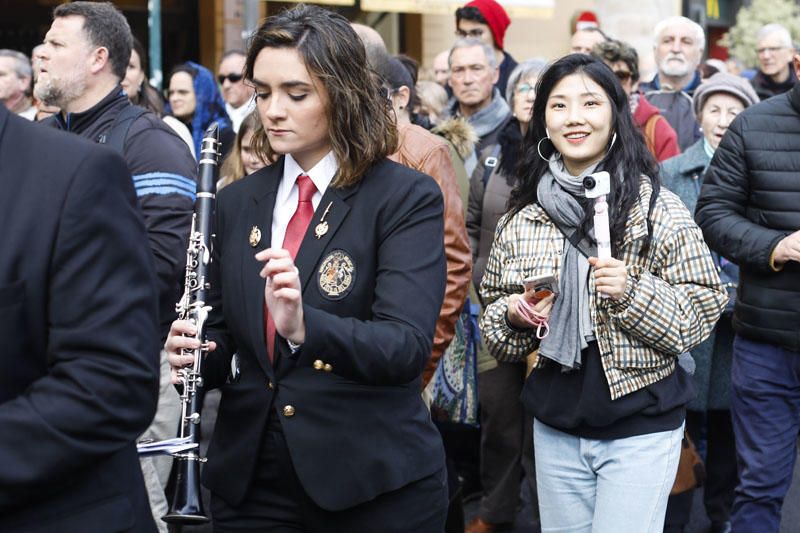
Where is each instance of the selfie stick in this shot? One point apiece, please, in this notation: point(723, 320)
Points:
point(597, 186)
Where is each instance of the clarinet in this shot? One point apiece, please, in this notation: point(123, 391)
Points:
point(186, 505)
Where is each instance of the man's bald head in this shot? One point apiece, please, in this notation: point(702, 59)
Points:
point(373, 43)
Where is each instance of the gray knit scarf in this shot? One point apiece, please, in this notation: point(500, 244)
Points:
point(570, 322)
point(489, 118)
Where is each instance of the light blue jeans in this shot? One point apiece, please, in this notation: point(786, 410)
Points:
point(604, 486)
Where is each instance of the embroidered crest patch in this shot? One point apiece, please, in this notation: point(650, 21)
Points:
point(336, 275)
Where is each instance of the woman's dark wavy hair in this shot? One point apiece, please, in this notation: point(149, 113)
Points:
point(628, 157)
point(361, 121)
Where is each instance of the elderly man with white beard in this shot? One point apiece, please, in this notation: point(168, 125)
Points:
point(678, 47)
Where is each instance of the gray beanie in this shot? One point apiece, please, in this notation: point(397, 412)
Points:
point(722, 82)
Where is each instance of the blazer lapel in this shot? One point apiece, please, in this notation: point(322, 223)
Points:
point(328, 217)
point(259, 219)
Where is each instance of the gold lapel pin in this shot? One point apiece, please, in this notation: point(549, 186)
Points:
point(255, 236)
point(322, 227)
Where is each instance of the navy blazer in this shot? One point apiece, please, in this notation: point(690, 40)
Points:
point(349, 401)
point(78, 319)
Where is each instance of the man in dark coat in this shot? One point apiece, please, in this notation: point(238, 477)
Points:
point(78, 318)
point(748, 210)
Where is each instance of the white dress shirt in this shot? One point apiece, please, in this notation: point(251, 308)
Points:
point(288, 192)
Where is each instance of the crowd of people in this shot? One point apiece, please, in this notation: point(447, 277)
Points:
point(413, 300)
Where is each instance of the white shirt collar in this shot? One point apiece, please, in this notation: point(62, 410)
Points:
point(321, 174)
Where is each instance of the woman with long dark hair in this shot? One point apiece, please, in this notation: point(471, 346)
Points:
point(607, 397)
point(327, 277)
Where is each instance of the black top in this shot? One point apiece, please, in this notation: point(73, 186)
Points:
point(579, 402)
point(164, 174)
point(766, 87)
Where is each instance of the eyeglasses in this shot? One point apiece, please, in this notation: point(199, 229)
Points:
point(769, 49)
point(233, 78)
point(477, 33)
point(525, 88)
point(622, 75)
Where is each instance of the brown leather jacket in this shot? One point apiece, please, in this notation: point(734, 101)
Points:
point(430, 154)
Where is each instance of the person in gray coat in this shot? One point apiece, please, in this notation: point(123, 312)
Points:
point(716, 102)
point(506, 433)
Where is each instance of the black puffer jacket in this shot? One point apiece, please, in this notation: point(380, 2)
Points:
point(750, 201)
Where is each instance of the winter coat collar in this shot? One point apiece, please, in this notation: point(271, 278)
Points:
point(694, 159)
point(78, 122)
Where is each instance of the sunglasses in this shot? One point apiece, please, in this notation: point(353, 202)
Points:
point(622, 75)
point(233, 78)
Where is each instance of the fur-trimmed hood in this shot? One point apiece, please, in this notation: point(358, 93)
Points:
point(459, 133)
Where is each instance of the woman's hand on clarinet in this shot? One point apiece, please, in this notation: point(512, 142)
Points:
point(610, 276)
point(541, 307)
point(178, 340)
point(283, 294)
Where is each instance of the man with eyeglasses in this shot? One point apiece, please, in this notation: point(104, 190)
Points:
point(238, 96)
point(775, 51)
point(624, 61)
point(487, 21)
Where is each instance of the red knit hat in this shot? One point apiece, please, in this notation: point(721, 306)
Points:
point(496, 18)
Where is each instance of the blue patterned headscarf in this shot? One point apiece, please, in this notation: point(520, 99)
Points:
point(210, 107)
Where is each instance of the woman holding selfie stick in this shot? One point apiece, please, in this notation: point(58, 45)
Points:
point(327, 277)
point(607, 398)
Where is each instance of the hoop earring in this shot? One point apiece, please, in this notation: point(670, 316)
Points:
point(613, 140)
point(539, 148)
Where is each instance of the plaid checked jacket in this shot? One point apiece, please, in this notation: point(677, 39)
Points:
point(673, 296)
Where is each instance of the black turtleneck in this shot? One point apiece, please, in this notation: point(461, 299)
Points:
point(766, 87)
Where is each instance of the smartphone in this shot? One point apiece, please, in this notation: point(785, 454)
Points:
point(541, 286)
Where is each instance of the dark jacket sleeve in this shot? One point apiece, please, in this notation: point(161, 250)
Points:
point(165, 177)
point(722, 207)
point(216, 366)
point(475, 206)
point(393, 347)
point(100, 389)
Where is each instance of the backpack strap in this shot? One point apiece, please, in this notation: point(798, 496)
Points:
point(116, 136)
point(650, 133)
point(490, 163)
point(583, 245)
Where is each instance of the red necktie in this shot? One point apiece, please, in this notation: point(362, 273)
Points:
point(295, 231)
